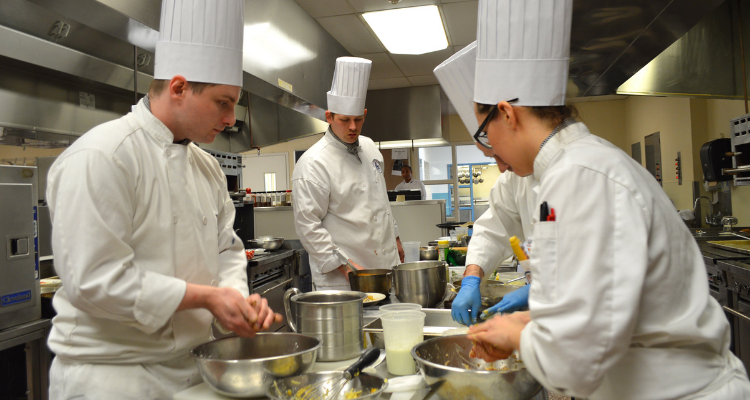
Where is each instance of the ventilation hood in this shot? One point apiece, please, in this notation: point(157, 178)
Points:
point(97, 43)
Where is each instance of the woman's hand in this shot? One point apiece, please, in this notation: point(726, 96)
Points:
point(497, 338)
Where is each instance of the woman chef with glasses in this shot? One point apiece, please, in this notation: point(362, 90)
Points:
point(619, 306)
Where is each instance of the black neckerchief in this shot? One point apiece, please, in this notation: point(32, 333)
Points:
point(352, 148)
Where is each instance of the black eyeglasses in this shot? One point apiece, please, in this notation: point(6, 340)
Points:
point(481, 136)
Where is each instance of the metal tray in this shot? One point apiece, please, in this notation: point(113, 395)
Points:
point(740, 246)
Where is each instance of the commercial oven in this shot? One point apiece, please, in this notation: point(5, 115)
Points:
point(270, 275)
point(19, 266)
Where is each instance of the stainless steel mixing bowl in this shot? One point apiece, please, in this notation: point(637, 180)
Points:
point(266, 242)
point(285, 389)
point(244, 367)
point(446, 358)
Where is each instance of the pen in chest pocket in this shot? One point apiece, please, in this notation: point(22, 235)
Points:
point(546, 213)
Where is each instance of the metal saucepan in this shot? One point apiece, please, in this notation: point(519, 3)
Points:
point(371, 281)
point(266, 242)
point(244, 367)
point(427, 253)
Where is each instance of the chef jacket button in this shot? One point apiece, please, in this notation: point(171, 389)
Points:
point(190, 159)
point(205, 220)
point(168, 152)
point(214, 282)
point(175, 220)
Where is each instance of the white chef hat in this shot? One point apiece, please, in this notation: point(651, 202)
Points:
point(201, 40)
point(523, 51)
point(456, 77)
point(349, 88)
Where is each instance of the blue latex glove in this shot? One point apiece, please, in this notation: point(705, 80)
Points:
point(468, 298)
point(511, 302)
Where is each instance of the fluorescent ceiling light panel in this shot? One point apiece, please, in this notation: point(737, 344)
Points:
point(414, 30)
point(403, 144)
point(268, 47)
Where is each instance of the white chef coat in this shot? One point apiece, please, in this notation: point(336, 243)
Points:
point(619, 302)
point(134, 218)
point(341, 203)
point(512, 204)
point(413, 185)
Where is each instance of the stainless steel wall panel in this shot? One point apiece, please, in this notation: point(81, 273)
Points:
point(220, 143)
point(32, 50)
point(290, 45)
point(704, 62)
point(613, 39)
point(403, 114)
point(293, 124)
point(26, 112)
point(264, 121)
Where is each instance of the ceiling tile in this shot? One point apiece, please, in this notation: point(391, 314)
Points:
point(461, 19)
point(351, 32)
point(423, 80)
point(382, 66)
point(388, 83)
point(422, 64)
point(327, 8)
point(377, 5)
point(454, 1)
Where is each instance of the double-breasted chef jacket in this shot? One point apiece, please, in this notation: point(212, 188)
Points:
point(135, 218)
point(619, 304)
point(340, 203)
point(511, 207)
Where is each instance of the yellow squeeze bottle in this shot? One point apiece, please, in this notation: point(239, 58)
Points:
point(515, 244)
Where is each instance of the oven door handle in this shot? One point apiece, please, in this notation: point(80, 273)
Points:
point(736, 313)
point(277, 286)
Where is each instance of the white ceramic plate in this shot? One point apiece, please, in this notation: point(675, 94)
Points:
point(376, 298)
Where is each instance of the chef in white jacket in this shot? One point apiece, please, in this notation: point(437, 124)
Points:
point(142, 224)
point(341, 208)
point(619, 305)
point(410, 183)
point(512, 199)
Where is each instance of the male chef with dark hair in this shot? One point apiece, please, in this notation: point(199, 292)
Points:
point(341, 209)
point(410, 183)
point(142, 224)
point(512, 201)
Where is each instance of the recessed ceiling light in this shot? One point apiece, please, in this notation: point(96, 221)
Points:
point(414, 30)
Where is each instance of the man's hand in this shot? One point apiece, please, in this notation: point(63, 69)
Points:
point(244, 316)
point(262, 315)
point(232, 311)
point(497, 338)
point(345, 270)
point(401, 253)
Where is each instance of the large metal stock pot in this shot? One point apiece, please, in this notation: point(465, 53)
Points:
point(334, 316)
point(244, 367)
point(421, 282)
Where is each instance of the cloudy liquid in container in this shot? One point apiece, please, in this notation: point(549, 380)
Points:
point(400, 361)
